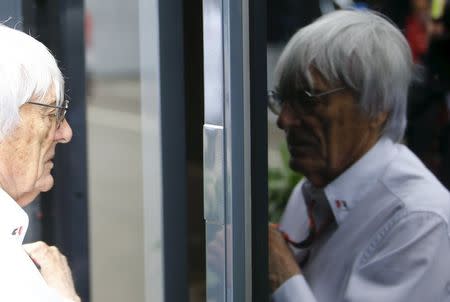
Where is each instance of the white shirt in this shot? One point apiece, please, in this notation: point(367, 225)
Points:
point(20, 280)
point(391, 241)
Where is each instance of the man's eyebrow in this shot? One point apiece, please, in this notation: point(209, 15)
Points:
point(52, 103)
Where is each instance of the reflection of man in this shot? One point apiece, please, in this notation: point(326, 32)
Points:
point(418, 28)
point(32, 122)
point(369, 222)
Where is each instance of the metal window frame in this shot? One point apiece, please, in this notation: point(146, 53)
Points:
point(164, 151)
point(258, 133)
point(235, 145)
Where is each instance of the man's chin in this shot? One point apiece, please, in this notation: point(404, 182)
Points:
point(45, 183)
point(305, 165)
point(27, 198)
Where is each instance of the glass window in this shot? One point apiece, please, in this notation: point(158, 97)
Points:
point(114, 150)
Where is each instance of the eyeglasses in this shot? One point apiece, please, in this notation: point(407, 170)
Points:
point(275, 102)
point(60, 113)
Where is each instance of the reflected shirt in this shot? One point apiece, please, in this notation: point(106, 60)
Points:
point(391, 238)
point(20, 280)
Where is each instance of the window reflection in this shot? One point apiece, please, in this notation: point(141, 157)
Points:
point(426, 25)
point(114, 150)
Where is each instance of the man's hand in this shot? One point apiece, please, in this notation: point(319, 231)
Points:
point(282, 264)
point(54, 268)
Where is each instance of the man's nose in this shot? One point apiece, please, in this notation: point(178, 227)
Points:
point(287, 118)
point(63, 133)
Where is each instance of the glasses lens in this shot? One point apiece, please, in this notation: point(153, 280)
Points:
point(61, 113)
point(274, 102)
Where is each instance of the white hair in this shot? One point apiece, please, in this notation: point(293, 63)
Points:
point(360, 50)
point(27, 72)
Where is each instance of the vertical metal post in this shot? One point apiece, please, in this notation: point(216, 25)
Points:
point(164, 162)
point(235, 160)
point(71, 196)
point(214, 152)
point(258, 133)
point(237, 148)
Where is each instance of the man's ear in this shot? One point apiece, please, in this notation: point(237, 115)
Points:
point(378, 121)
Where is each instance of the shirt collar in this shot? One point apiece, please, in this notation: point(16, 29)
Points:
point(13, 221)
point(352, 185)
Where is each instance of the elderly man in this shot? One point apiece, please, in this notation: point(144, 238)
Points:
point(31, 124)
point(369, 222)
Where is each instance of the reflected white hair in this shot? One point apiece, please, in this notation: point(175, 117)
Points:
point(27, 72)
point(360, 50)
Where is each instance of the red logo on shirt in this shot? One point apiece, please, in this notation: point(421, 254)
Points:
point(17, 231)
point(341, 203)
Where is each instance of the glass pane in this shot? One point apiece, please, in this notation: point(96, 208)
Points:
point(114, 150)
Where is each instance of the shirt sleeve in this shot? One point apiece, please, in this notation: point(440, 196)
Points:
point(408, 260)
point(294, 289)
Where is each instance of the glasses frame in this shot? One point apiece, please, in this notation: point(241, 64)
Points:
point(60, 112)
point(275, 103)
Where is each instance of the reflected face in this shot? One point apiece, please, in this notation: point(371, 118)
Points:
point(326, 136)
point(29, 151)
point(421, 5)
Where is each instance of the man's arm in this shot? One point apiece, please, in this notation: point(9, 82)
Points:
point(282, 265)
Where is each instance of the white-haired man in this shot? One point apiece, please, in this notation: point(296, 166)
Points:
point(32, 122)
point(369, 222)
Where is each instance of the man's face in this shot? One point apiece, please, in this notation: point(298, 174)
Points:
point(327, 136)
point(28, 152)
point(421, 5)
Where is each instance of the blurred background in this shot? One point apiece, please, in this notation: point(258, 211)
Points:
point(101, 181)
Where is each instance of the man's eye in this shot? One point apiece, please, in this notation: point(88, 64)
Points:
point(51, 115)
